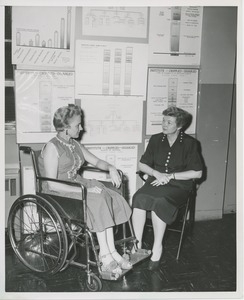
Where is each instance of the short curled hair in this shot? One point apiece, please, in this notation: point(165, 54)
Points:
point(63, 115)
point(183, 118)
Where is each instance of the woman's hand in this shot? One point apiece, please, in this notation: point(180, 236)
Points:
point(115, 177)
point(161, 178)
point(95, 190)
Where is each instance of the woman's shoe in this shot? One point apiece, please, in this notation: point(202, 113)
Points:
point(112, 266)
point(153, 265)
point(143, 251)
point(123, 262)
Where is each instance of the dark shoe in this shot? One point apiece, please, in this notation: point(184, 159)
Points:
point(153, 265)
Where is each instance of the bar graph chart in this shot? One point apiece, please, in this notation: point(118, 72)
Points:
point(60, 37)
point(43, 36)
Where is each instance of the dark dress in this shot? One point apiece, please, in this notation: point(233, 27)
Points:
point(104, 210)
point(183, 155)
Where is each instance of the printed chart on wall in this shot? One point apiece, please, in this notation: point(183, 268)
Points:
point(109, 68)
point(123, 157)
point(38, 95)
point(170, 87)
point(109, 120)
point(115, 21)
point(175, 35)
point(43, 36)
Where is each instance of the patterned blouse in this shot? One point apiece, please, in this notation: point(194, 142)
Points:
point(70, 158)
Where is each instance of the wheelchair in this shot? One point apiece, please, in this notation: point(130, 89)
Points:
point(49, 233)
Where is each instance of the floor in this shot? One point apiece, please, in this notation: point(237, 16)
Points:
point(207, 263)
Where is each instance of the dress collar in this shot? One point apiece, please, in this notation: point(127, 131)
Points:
point(180, 137)
point(64, 142)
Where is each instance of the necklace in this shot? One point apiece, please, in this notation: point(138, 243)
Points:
point(70, 145)
point(77, 161)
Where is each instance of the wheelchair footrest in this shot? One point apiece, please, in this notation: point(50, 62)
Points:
point(139, 255)
point(135, 258)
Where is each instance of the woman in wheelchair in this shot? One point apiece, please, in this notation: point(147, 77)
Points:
point(61, 158)
point(171, 160)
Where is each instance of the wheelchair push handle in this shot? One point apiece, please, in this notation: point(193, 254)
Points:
point(25, 149)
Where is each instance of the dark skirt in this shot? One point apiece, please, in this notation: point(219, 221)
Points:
point(164, 200)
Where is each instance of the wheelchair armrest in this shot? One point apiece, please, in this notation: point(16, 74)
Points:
point(94, 169)
point(107, 181)
point(71, 183)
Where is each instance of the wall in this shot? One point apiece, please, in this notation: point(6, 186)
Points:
point(216, 91)
point(230, 186)
point(214, 113)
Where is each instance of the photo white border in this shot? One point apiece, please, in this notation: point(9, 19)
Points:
point(239, 131)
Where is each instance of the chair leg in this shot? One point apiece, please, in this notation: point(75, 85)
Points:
point(132, 232)
point(182, 230)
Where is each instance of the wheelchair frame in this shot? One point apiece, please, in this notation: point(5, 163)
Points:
point(47, 240)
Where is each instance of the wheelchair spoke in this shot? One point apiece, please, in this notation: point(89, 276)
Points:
point(38, 235)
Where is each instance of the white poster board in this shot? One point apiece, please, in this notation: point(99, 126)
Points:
point(175, 34)
point(170, 87)
point(43, 36)
point(110, 120)
point(38, 95)
point(115, 21)
point(110, 68)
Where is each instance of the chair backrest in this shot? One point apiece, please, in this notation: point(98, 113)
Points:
point(35, 154)
point(34, 160)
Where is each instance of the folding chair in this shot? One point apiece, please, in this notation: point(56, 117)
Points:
point(187, 212)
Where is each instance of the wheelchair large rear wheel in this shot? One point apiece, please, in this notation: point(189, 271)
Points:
point(37, 234)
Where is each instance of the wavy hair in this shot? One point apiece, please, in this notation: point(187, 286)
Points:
point(63, 115)
point(183, 118)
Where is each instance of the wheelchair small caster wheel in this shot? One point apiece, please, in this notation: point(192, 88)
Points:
point(93, 283)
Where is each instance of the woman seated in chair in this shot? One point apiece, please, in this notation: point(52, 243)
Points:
point(61, 158)
point(171, 160)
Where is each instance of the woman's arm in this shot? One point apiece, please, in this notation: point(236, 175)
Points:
point(163, 178)
point(185, 175)
point(50, 157)
point(146, 169)
point(102, 165)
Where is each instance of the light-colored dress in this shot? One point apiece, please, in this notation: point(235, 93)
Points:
point(104, 210)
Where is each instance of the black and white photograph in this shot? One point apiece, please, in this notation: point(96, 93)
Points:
point(121, 149)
